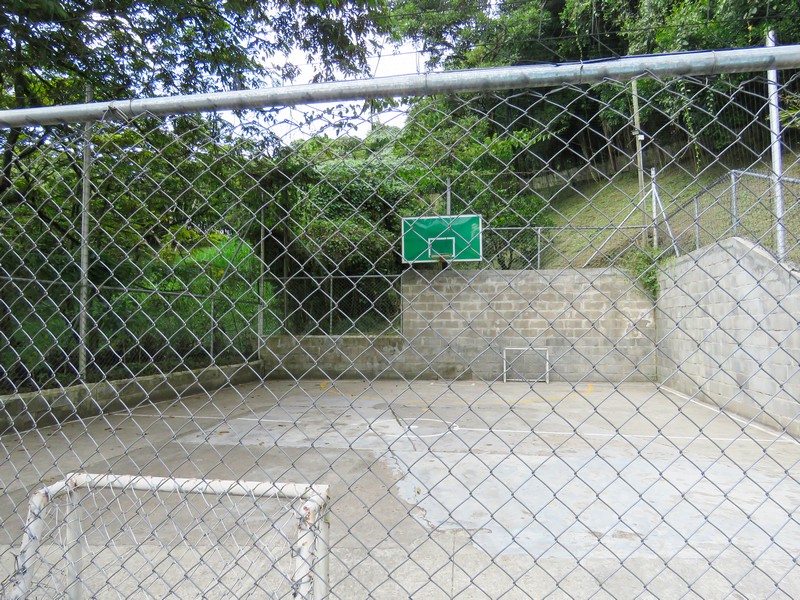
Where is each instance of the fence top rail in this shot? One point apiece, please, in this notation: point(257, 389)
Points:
point(764, 176)
point(477, 80)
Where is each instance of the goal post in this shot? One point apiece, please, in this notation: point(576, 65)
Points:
point(209, 534)
point(526, 364)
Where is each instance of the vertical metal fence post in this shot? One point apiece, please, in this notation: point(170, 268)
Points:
point(538, 247)
point(637, 131)
point(696, 223)
point(777, 155)
point(447, 208)
point(212, 291)
point(86, 191)
point(262, 305)
point(285, 281)
point(654, 197)
point(734, 205)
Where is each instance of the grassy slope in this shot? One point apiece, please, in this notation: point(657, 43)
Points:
point(611, 202)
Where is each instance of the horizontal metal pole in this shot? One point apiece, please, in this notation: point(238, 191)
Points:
point(132, 290)
point(356, 278)
point(763, 176)
point(565, 227)
point(256, 489)
point(451, 82)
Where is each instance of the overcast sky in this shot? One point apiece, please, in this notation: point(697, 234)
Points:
point(393, 61)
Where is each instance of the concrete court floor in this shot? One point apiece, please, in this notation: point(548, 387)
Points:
point(472, 490)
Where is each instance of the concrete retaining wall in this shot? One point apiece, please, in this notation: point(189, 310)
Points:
point(728, 327)
point(47, 407)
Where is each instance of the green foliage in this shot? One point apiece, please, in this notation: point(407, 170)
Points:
point(475, 33)
point(145, 47)
point(39, 344)
point(344, 205)
point(485, 164)
point(644, 265)
point(208, 292)
point(348, 219)
point(159, 185)
point(478, 33)
point(162, 208)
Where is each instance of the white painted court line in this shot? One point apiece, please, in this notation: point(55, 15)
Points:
point(454, 427)
point(615, 434)
point(778, 436)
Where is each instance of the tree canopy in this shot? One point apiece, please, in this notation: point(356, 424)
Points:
point(186, 210)
point(51, 49)
point(479, 33)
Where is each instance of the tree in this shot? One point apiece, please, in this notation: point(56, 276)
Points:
point(479, 33)
point(464, 147)
point(165, 220)
point(341, 230)
point(596, 131)
point(157, 183)
point(51, 49)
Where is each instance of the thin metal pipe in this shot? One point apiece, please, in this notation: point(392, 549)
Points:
point(538, 247)
point(696, 223)
point(451, 82)
point(212, 295)
point(734, 205)
point(119, 288)
point(561, 227)
point(660, 205)
point(322, 582)
point(654, 197)
point(447, 208)
point(639, 137)
point(257, 489)
point(86, 199)
point(74, 550)
point(261, 283)
point(777, 154)
point(762, 176)
point(305, 558)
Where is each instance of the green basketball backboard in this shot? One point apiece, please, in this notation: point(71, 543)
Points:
point(450, 238)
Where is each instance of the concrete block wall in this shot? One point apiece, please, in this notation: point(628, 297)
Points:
point(322, 356)
point(728, 330)
point(455, 324)
point(595, 323)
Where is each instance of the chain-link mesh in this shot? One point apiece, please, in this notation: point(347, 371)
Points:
point(604, 405)
point(110, 536)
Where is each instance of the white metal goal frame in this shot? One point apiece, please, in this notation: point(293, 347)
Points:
point(540, 352)
point(311, 552)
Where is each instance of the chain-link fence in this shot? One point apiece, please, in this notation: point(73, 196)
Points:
point(584, 382)
point(736, 204)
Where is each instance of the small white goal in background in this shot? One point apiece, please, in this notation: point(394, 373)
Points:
point(118, 536)
point(526, 364)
